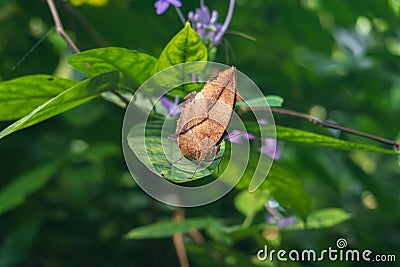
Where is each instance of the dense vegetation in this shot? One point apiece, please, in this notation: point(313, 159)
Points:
point(67, 197)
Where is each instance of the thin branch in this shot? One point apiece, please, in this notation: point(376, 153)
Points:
point(60, 30)
point(59, 26)
point(178, 240)
point(318, 122)
point(197, 236)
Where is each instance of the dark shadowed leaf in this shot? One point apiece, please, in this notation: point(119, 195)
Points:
point(163, 156)
point(322, 218)
point(318, 140)
point(272, 100)
point(288, 190)
point(17, 190)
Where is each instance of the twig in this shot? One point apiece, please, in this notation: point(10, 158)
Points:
point(84, 23)
point(197, 236)
point(60, 30)
point(318, 122)
point(59, 26)
point(178, 240)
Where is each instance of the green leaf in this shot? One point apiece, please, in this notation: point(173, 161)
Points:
point(168, 228)
point(318, 140)
point(185, 46)
point(133, 65)
point(15, 193)
point(250, 203)
point(162, 155)
point(272, 100)
point(20, 96)
point(288, 190)
point(17, 242)
point(322, 218)
point(70, 98)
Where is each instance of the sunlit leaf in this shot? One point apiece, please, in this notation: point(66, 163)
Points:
point(250, 203)
point(133, 65)
point(70, 98)
point(20, 96)
point(185, 46)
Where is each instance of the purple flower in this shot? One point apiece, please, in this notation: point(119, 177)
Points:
point(271, 148)
point(286, 221)
point(205, 23)
point(162, 5)
point(172, 107)
point(275, 216)
point(282, 221)
point(237, 136)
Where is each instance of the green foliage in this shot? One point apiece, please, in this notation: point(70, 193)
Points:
point(186, 46)
point(20, 96)
point(273, 101)
point(168, 228)
point(162, 155)
point(15, 193)
point(64, 183)
point(72, 97)
point(288, 190)
point(321, 218)
point(307, 138)
point(133, 66)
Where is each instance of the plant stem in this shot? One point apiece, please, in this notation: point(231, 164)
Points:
point(122, 97)
point(59, 27)
point(60, 30)
point(248, 220)
point(178, 239)
point(227, 21)
point(318, 122)
point(181, 16)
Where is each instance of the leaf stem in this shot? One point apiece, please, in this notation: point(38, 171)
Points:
point(318, 122)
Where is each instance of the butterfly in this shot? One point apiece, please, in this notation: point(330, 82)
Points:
point(205, 116)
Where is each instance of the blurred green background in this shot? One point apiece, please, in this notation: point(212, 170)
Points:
point(337, 60)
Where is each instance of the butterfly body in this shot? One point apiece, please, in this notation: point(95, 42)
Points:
point(205, 116)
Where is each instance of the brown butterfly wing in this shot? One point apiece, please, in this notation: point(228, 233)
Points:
point(205, 117)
